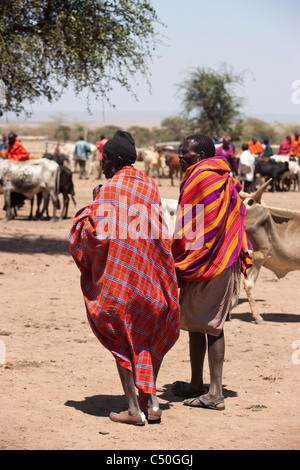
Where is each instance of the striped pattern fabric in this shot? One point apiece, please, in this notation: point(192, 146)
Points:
point(221, 239)
point(129, 283)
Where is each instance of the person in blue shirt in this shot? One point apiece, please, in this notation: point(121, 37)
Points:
point(3, 144)
point(82, 149)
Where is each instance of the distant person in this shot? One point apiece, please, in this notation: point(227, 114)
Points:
point(82, 150)
point(3, 144)
point(255, 147)
point(231, 143)
point(15, 150)
point(226, 150)
point(295, 145)
point(246, 168)
point(285, 146)
point(99, 145)
point(268, 152)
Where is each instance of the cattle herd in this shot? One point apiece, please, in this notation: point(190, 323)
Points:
point(51, 175)
point(47, 177)
point(282, 169)
point(273, 232)
point(44, 178)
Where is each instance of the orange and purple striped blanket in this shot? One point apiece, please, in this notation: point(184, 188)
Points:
point(209, 234)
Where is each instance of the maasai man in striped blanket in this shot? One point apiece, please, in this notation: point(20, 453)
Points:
point(121, 246)
point(210, 250)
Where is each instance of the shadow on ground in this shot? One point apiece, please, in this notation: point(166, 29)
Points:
point(26, 245)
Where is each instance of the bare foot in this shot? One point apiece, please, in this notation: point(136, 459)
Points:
point(186, 390)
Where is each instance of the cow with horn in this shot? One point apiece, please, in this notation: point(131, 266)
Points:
point(275, 236)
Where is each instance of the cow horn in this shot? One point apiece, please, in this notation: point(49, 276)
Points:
point(243, 195)
point(259, 192)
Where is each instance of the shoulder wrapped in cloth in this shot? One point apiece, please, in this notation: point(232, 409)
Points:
point(210, 195)
point(128, 282)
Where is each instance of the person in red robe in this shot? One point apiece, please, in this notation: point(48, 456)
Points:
point(255, 147)
point(15, 150)
point(285, 146)
point(128, 277)
point(295, 144)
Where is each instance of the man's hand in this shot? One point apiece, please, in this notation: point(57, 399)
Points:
point(96, 191)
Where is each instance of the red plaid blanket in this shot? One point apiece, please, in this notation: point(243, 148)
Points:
point(128, 281)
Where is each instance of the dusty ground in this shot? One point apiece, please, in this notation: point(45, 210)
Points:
point(58, 384)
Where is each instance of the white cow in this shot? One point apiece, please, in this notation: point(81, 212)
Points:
point(153, 163)
point(66, 148)
point(275, 237)
point(30, 178)
point(169, 207)
point(93, 160)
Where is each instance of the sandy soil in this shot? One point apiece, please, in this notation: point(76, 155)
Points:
point(58, 384)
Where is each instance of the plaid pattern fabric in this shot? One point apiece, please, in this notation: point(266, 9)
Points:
point(129, 284)
point(209, 185)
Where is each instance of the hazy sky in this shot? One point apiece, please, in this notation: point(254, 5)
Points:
point(262, 37)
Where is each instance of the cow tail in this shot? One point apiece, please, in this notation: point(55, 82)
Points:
point(57, 188)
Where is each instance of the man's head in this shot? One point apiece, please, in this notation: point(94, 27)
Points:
point(195, 148)
point(118, 152)
point(12, 137)
point(226, 142)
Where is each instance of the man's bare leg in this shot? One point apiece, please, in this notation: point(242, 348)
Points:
point(216, 354)
point(134, 414)
point(214, 398)
point(197, 355)
point(128, 385)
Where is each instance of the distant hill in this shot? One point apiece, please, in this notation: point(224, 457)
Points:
point(127, 119)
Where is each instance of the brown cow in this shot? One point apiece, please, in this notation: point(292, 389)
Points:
point(172, 161)
point(288, 179)
point(275, 237)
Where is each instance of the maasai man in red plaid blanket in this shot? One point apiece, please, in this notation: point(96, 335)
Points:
point(120, 244)
point(209, 265)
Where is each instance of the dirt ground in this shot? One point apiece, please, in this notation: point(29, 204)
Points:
point(58, 384)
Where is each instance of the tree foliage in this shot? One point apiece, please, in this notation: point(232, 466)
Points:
point(47, 45)
point(209, 98)
point(178, 127)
